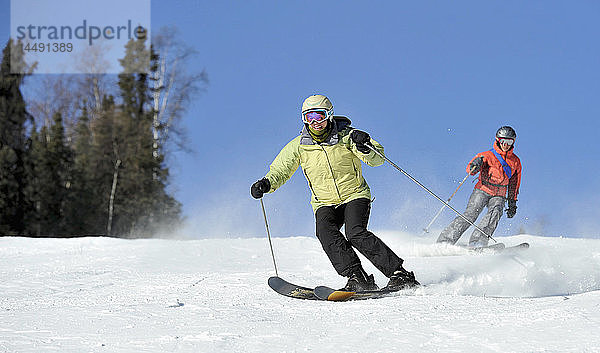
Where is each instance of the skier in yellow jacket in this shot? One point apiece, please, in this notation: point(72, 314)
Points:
point(330, 152)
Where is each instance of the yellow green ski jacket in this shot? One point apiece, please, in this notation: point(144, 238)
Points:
point(332, 168)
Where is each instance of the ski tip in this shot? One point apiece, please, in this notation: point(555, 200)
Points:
point(288, 289)
point(274, 281)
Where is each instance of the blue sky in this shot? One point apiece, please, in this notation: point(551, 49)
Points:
point(431, 81)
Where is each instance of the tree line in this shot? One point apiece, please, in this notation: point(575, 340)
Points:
point(96, 165)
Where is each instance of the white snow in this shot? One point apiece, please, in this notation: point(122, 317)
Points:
point(211, 295)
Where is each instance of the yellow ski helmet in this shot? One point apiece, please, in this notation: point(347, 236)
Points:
point(317, 102)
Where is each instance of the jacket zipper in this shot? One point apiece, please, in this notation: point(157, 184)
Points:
point(310, 185)
point(355, 170)
point(332, 175)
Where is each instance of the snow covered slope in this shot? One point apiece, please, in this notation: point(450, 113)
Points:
point(112, 295)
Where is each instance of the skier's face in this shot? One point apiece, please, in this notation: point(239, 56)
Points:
point(505, 146)
point(320, 125)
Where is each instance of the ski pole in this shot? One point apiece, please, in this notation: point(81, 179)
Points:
point(426, 229)
point(269, 236)
point(429, 191)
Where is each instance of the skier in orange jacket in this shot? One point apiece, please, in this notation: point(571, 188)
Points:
point(499, 180)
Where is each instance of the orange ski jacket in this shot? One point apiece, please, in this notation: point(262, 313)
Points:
point(492, 178)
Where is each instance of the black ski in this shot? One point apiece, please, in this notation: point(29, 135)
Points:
point(291, 290)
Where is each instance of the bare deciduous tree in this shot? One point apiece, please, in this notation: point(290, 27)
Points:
point(95, 83)
point(49, 94)
point(65, 93)
point(173, 88)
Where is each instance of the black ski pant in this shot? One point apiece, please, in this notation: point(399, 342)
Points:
point(339, 249)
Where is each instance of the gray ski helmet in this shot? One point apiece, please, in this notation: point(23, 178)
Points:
point(506, 132)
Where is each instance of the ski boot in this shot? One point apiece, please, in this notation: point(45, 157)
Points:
point(359, 280)
point(402, 279)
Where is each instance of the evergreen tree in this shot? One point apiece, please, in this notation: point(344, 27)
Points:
point(52, 170)
point(11, 212)
point(62, 162)
point(110, 177)
point(104, 156)
point(82, 204)
point(36, 178)
point(41, 181)
point(32, 226)
point(13, 141)
point(141, 203)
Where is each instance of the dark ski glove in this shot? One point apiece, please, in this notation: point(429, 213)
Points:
point(260, 187)
point(361, 138)
point(476, 165)
point(512, 208)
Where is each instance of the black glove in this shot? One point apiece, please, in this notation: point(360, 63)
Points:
point(512, 208)
point(476, 165)
point(361, 138)
point(260, 187)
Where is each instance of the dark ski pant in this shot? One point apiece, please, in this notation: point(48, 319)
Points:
point(339, 249)
point(477, 202)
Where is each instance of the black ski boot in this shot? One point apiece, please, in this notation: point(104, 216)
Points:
point(359, 280)
point(402, 279)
